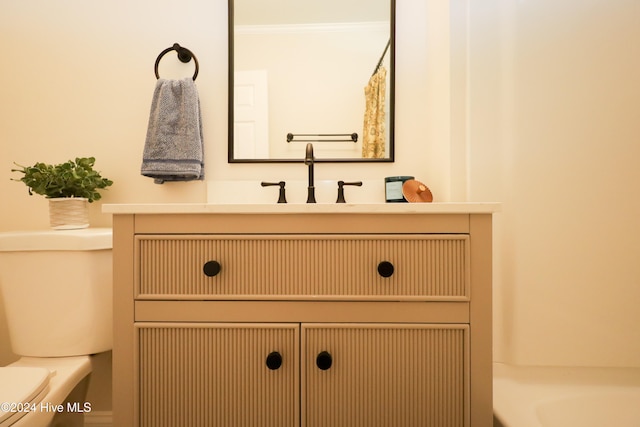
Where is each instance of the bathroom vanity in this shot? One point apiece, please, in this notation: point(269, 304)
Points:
point(302, 315)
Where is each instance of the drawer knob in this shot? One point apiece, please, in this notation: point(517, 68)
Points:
point(211, 268)
point(385, 269)
point(324, 360)
point(274, 360)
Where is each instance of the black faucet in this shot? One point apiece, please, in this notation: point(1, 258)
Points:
point(308, 160)
point(282, 198)
point(341, 185)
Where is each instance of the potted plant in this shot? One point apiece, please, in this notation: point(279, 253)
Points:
point(69, 187)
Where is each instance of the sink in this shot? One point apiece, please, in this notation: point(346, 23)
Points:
point(251, 192)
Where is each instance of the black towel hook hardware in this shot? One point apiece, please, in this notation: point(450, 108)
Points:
point(184, 55)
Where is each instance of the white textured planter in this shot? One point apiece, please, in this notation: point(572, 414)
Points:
point(68, 213)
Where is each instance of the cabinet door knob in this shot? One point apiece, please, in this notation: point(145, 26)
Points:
point(274, 360)
point(211, 268)
point(324, 360)
point(385, 269)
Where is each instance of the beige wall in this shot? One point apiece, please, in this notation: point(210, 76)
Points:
point(79, 79)
point(555, 136)
point(551, 130)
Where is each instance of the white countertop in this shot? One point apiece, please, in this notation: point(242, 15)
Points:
point(302, 208)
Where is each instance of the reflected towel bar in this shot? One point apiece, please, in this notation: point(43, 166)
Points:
point(353, 137)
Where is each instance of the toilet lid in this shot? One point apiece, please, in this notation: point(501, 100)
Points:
point(20, 385)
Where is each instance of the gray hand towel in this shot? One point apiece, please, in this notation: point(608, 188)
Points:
point(173, 149)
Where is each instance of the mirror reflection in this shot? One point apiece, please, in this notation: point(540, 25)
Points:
point(312, 70)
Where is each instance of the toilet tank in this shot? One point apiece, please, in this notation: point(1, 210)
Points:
point(56, 288)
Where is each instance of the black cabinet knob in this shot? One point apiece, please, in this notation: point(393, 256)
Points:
point(274, 360)
point(385, 269)
point(211, 268)
point(324, 360)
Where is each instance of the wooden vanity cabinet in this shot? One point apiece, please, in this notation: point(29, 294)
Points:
point(313, 320)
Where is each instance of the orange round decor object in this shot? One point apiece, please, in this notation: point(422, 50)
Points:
point(416, 192)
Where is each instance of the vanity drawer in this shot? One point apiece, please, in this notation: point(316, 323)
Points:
point(379, 267)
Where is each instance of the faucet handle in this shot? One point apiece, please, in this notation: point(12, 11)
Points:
point(281, 196)
point(341, 185)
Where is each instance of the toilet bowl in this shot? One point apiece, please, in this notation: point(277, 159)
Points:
point(57, 291)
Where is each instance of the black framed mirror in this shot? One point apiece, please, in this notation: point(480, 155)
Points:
point(320, 71)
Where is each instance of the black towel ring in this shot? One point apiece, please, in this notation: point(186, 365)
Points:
point(184, 55)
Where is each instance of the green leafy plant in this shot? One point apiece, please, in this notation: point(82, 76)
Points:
point(70, 179)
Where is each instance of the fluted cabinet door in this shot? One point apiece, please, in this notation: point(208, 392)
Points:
point(384, 375)
point(231, 375)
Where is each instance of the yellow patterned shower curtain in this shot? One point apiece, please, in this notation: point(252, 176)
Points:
point(373, 141)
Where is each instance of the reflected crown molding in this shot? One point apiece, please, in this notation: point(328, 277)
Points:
point(342, 27)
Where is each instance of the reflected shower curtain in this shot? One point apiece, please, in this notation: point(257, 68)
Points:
point(373, 140)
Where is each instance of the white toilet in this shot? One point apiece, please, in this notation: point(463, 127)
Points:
point(57, 291)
